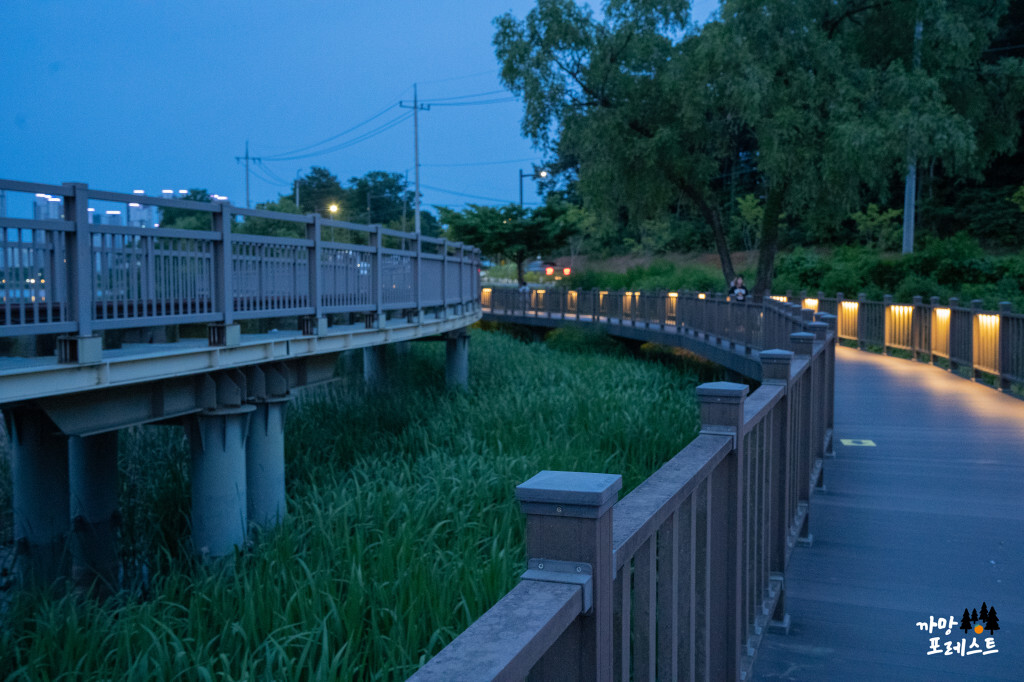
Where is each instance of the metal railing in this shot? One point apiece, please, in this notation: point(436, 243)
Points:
point(680, 578)
point(69, 275)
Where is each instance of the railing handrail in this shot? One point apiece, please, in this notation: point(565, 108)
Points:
point(78, 277)
point(737, 495)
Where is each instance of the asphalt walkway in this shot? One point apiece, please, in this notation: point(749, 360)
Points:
point(922, 517)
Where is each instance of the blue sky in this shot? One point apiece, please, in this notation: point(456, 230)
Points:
point(138, 94)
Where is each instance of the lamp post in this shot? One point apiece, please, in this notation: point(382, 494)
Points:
point(541, 174)
point(333, 210)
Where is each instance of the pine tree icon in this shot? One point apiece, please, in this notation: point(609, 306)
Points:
point(974, 616)
point(984, 612)
point(992, 622)
point(965, 622)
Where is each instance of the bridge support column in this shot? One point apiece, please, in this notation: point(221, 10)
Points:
point(219, 500)
point(375, 367)
point(39, 459)
point(92, 465)
point(457, 359)
point(264, 463)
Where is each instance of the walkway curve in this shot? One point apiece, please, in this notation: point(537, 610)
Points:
point(927, 521)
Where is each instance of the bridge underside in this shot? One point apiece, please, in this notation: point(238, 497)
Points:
point(63, 420)
point(728, 354)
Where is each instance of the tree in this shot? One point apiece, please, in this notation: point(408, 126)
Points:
point(992, 622)
point(185, 219)
point(510, 231)
point(318, 190)
point(655, 113)
point(965, 622)
point(984, 612)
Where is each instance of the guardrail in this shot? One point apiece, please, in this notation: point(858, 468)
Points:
point(982, 342)
point(680, 578)
point(73, 276)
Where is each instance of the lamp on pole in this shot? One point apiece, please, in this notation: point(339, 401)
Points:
point(333, 210)
point(540, 174)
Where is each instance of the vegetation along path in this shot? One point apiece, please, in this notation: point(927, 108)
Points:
point(922, 518)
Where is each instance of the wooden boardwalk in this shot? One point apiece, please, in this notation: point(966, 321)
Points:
point(925, 522)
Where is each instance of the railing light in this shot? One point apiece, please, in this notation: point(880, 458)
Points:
point(811, 303)
point(942, 314)
point(673, 294)
point(701, 296)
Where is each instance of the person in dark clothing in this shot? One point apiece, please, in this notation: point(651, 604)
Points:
point(737, 289)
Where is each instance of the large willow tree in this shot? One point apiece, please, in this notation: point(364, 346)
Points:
point(827, 99)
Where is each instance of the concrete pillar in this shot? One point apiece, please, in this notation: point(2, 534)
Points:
point(374, 367)
point(92, 465)
point(39, 463)
point(456, 366)
point(264, 463)
point(219, 500)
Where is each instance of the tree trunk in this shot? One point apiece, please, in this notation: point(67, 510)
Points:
point(714, 218)
point(520, 275)
point(769, 240)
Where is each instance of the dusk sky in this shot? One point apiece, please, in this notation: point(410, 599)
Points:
point(127, 95)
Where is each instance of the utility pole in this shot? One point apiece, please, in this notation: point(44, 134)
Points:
point(247, 160)
point(416, 108)
point(910, 188)
point(298, 181)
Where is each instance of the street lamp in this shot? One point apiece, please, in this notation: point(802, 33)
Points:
point(540, 174)
point(333, 208)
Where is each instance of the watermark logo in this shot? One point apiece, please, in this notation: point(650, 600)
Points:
point(974, 623)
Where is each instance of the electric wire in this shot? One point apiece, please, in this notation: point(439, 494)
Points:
point(277, 157)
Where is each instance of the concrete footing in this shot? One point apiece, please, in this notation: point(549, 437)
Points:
point(375, 367)
point(92, 466)
point(456, 364)
point(264, 463)
point(219, 500)
point(39, 459)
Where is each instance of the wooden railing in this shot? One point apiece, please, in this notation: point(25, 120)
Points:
point(73, 276)
point(680, 578)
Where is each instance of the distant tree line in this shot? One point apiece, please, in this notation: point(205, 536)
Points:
point(778, 123)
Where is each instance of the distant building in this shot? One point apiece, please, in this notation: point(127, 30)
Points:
point(47, 207)
point(3, 203)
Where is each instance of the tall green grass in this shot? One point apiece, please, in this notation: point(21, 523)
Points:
point(402, 525)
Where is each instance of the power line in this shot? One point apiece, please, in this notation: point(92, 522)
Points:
point(471, 196)
point(478, 163)
point(348, 143)
point(279, 157)
point(479, 94)
point(501, 100)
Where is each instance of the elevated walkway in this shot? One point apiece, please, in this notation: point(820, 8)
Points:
point(922, 517)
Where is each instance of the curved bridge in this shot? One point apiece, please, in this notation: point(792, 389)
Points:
point(117, 301)
point(693, 575)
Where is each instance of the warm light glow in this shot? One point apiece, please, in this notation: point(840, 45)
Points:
point(673, 294)
point(182, 191)
point(543, 174)
point(992, 320)
point(702, 296)
point(811, 303)
point(942, 315)
point(487, 290)
point(781, 299)
point(566, 271)
point(849, 306)
point(902, 309)
point(549, 271)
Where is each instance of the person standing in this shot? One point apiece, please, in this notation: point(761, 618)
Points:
point(737, 289)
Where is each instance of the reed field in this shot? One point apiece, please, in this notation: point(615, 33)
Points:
point(402, 528)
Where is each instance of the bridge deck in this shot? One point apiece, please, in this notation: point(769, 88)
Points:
point(926, 522)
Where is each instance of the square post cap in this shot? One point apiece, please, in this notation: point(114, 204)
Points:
point(775, 364)
point(569, 493)
point(819, 329)
point(802, 342)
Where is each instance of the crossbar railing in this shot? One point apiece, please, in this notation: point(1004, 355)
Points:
point(75, 277)
point(679, 579)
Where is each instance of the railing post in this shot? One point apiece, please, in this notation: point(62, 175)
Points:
point(776, 366)
point(887, 322)
point(802, 409)
point(225, 332)
point(416, 268)
point(83, 346)
point(862, 300)
point(569, 519)
point(378, 268)
point(976, 308)
point(315, 324)
point(721, 412)
point(933, 303)
point(1006, 350)
point(916, 327)
point(954, 326)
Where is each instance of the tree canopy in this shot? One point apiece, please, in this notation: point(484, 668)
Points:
point(823, 101)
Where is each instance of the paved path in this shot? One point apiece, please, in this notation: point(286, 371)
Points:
point(927, 522)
